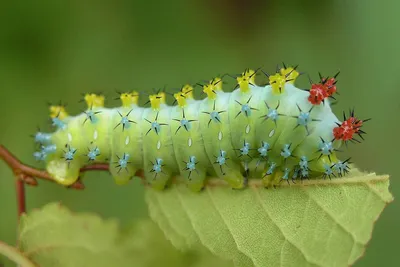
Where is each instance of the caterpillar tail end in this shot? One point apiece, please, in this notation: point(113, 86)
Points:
point(63, 172)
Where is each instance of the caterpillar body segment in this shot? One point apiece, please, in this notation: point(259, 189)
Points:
point(189, 149)
point(158, 150)
point(126, 154)
point(274, 132)
point(214, 125)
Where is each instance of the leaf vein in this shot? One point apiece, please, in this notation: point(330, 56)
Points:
point(331, 216)
point(282, 232)
point(223, 219)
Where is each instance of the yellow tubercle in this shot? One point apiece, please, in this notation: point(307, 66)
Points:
point(246, 79)
point(212, 88)
point(181, 99)
point(251, 75)
point(94, 101)
point(185, 93)
point(290, 74)
point(217, 82)
point(162, 97)
point(129, 99)
point(157, 100)
point(277, 82)
point(210, 91)
point(58, 112)
point(187, 90)
point(243, 83)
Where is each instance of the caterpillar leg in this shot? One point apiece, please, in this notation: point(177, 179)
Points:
point(121, 168)
point(157, 174)
point(230, 172)
point(194, 174)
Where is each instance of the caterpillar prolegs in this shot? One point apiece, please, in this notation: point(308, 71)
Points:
point(274, 132)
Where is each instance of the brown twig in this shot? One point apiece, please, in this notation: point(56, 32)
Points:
point(27, 175)
point(20, 194)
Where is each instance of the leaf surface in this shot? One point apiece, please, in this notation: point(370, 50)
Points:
point(310, 223)
point(54, 236)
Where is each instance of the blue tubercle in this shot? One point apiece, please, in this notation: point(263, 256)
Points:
point(157, 166)
point(221, 159)
point(326, 148)
point(59, 124)
point(215, 116)
point(341, 167)
point(273, 115)
point(42, 138)
point(263, 150)
point(295, 173)
point(245, 149)
point(271, 168)
point(303, 119)
point(93, 153)
point(328, 171)
point(186, 124)
point(286, 151)
point(191, 165)
point(49, 149)
point(125, 123)
point(303, 164)
point(123, 162)
point(156, 127)
point(286, 173)
point(70, 153)
point(246, 110)
point(39, 155)
point(91, 115)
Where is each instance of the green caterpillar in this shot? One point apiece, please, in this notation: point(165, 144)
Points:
point(275, 132)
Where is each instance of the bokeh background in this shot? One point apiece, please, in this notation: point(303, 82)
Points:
point(57, 50)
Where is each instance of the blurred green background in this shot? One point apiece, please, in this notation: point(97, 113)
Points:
point(56, 50)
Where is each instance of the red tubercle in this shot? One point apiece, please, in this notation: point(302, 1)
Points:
point(318, 93)
point(348, 128)
point(322, 90)
point(330, 85)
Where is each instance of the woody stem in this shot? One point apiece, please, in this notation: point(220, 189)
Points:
point(27, 174)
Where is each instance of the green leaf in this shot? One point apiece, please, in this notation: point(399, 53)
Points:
point(310, 223)
point(53, 236)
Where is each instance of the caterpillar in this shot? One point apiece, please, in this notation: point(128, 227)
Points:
point(275, 133)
